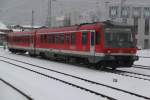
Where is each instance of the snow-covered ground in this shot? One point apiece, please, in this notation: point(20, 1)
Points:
point(7, 93)
point(41, 88)
point(143, 61)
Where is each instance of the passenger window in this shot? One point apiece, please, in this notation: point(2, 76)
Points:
point(73, 38)
point(62, 38)
point(57, 38)
point(97, 38)
point(67, 38)
point(53, 38)
point(92, 38)
point(43, 37)
point(84, 38)
point(49, 37)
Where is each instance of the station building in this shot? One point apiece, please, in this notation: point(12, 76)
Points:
point(137, 15)
point(3, 33)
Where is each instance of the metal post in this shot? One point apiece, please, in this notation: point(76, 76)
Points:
point(32, 23)
point(107, 10)
point(50, 13)
point(49, 16)
point(121, 7)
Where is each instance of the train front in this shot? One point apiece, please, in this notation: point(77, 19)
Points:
point(119, 46)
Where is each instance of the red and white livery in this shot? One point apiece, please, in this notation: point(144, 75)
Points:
point(105, 44)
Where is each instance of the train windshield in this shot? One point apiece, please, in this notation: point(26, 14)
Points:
point(118, 38)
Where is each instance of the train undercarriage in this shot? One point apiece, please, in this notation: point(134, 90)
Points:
point(101, 62)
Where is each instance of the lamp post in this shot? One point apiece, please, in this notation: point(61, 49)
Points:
point(123, 12)
point(32, 21)
point(49, 17)
point(107, 10)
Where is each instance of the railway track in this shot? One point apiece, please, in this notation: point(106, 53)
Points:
point(16, 89)
point(141, 67)
point(60, 80)
point(137, 75)
point(131, 74)
point(72, 76)
point(143, 57)
point(123, 73)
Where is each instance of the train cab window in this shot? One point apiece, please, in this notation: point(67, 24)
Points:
point(73, 38)
point(84, 38)
point(97, 38)
point(67, 38)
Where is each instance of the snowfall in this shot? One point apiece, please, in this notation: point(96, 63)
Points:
point(42, 88)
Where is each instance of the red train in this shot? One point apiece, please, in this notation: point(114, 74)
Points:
point(105, 44)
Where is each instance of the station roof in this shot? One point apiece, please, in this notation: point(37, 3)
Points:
point(3, 26)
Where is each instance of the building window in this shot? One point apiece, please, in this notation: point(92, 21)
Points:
point(84, 38)
point(125, 12)
point(113, 11)
point(146, 44)
point(146, 26)
point(136, 12)
point(146, 12)
point(135, 29)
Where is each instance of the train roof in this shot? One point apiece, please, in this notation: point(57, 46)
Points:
point(84, 26)
point(87, 26)
point(91, 26)
point(116, 24)
point(22, 33)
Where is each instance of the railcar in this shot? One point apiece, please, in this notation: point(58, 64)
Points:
point(20, 42)
point(104, 44)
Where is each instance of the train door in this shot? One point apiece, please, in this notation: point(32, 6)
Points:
point(92, 43)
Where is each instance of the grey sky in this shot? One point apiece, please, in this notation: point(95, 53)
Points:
point(19, 11)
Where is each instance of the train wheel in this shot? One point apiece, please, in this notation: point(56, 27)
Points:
point(99, 66)
point(102, 67)
point(129, 64)
point(43, 55)
point(66, 59)
point(32, 55)
point(113, 68)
